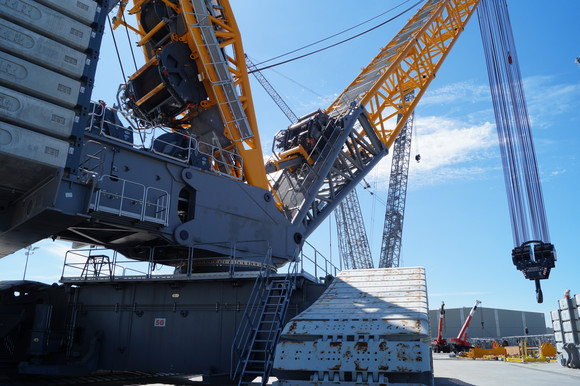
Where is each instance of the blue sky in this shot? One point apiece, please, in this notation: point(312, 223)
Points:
point(456, 220)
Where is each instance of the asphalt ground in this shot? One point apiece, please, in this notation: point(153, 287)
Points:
point(448, 371)
point(454, 371)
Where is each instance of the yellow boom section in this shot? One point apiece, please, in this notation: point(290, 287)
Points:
point(213, 66)
point(408, 63)
point(240, 125)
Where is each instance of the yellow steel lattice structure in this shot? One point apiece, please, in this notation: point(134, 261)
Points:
point(239, 120)
point(214, 39)
point(408, 63)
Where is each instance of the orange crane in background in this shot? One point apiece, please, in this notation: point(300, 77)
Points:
point(460, 343)
point(440, 344)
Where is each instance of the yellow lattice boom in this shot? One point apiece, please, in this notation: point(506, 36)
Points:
point(408, 63)
point(216, 46)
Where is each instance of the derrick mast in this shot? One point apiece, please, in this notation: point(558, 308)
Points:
point(195, 80)
point(397, 196)
point(352, 237)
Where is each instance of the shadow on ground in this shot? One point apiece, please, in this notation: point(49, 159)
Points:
point(439, 381)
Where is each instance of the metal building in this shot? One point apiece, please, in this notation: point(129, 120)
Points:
point(489, 322)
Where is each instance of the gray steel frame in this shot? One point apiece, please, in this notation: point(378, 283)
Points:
point(352, 236)
point(397, 196)
point(311, 193)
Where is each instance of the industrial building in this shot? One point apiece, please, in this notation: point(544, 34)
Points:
point(488, 322)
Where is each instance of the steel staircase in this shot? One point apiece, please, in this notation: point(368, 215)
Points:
point(261, 324)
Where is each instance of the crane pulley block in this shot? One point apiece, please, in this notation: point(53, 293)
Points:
point(535, 259)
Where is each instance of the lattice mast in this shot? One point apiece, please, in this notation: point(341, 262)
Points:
point(397, 195)
point(271, 91)
point(353, 243)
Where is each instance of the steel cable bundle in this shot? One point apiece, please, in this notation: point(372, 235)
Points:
point(522, 181)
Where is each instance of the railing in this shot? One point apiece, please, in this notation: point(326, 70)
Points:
point(222, 161)
point(130, 199)
point(189, 150)
point(157, 263)
point(87, 265)
point(246, 333)
point(106, 127)
point(315, 263)
point(173, 150)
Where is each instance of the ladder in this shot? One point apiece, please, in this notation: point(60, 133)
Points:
point(202, 31)
point(263, 319)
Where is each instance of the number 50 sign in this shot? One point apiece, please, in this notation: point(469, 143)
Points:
point(159, 322)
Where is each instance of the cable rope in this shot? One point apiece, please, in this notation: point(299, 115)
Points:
point(141, 134)
point(521, 175)
point(332, 36)
point(340, 42)
point(297, 83)
point(117, 49)
point(129, 41)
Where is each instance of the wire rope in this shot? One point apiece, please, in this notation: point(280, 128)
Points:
point(129, 41)
point(521, 174)
point(340, 42)
point(116, 49)
point(332, 36)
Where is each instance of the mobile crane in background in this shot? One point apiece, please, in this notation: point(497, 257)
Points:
point(440, 344)
point(460, 343)
point(198, 200)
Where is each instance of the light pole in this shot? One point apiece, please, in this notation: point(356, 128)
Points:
point(29, 251)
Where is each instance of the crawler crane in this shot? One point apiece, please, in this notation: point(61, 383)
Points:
point(198, 200)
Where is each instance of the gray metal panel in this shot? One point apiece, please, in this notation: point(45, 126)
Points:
point(27, 158)
point(81, 10)
point(38, 49)
point(27, 145)
point(36, 114)
point(37, 81)
point(46, 21)
point(396, 298)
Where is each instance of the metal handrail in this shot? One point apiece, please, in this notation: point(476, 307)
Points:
point(249, 319)
point(143, 199)
point(327, 269)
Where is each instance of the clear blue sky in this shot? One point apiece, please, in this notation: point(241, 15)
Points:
point(456, 220)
